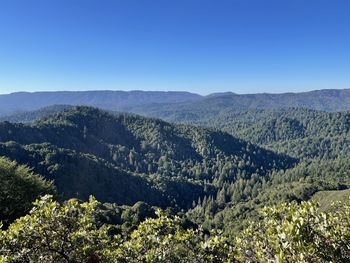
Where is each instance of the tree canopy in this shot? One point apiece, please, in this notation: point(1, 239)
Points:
point(19, 187)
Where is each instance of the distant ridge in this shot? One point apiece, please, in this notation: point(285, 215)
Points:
point(160, 103)
point(219, 94)
point(111, 100)
point(29, 116)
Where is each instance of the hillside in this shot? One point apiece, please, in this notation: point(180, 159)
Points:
point(326, 198)
point(124, 159)
point(244, 198)
point(301, 133)
point(298, 132)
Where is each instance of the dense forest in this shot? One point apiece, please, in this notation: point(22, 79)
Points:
point(89, 151)
point(297, 132)
point(240, 186)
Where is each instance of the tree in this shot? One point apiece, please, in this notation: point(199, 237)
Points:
point(18, 189)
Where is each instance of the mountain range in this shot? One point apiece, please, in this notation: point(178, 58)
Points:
point(111, 100)
point(171, 104)
point(215, 164)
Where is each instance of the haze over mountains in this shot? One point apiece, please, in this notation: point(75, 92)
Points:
point(112, 100)
point(153, 102)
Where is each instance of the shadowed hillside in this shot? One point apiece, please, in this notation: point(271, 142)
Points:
point(123, 158)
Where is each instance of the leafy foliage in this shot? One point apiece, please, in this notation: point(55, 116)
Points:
point(285, 233)
point(298, 233)
point(53, 232)
point(18, 189)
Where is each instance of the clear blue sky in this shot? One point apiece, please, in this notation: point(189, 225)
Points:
point(244, 46)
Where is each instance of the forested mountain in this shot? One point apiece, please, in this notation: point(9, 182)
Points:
point(124, 158)
point(300, 133)
point(210, 179)
point(175, 106)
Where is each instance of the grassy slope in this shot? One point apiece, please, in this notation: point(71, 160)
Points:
point(326, 198)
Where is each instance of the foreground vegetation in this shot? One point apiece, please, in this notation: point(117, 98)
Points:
point(75, 231)
point(54, 232)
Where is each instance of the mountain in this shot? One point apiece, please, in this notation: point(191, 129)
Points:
point(297, 132)
point(111, 100)
point(173, 106)
point(205, 175)
point(124, 158)
point(211, 106)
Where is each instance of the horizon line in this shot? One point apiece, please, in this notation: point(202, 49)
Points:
point(171, 91)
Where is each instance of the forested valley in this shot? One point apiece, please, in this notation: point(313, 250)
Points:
point(82, 184)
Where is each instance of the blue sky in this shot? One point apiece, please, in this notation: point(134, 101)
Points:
point(243, 46)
